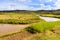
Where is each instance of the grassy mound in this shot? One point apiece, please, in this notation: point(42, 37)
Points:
point(46, 31)
point(42, 26)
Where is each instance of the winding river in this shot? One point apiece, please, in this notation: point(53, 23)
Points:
point(48, 19)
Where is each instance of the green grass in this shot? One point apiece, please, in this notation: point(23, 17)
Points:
point(45, 31)
point(42, 26)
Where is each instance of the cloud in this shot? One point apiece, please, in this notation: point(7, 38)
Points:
point(24, 0)
point(46, 0)
point(15, 7)
point(43, 7)
point(29, 4)
point(57, 4)
point(50, 4)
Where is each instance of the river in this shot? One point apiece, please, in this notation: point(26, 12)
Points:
point(49, 19)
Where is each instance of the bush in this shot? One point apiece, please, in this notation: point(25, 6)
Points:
point(40, 27)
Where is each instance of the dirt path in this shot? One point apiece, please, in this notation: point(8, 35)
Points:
point(7, 28)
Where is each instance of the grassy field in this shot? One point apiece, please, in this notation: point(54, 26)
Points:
point(45, 31)
point(19, 18)
point(41, 27)
point(36, 31)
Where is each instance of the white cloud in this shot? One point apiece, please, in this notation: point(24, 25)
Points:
point(21, 7)
point(43, 7)
point(24, 0)
point(48, 0)
point(12, 6)
point(57, 4)
point(45, 0)
point(15, 7)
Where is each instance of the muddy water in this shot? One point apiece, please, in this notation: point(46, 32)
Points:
point(6, 28)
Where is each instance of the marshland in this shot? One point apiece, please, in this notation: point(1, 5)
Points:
point(30, 25)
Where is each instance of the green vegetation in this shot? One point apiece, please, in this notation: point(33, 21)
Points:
point(50, 15)
point(48, 31)
point(42, 30)
point(19, 18)
point(42, 26)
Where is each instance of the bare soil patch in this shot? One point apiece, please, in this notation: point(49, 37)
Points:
point(8, 28)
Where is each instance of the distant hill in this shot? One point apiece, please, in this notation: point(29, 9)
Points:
point(29, 10)
point(37, 11)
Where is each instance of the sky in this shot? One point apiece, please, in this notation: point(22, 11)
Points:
point(29, 4)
